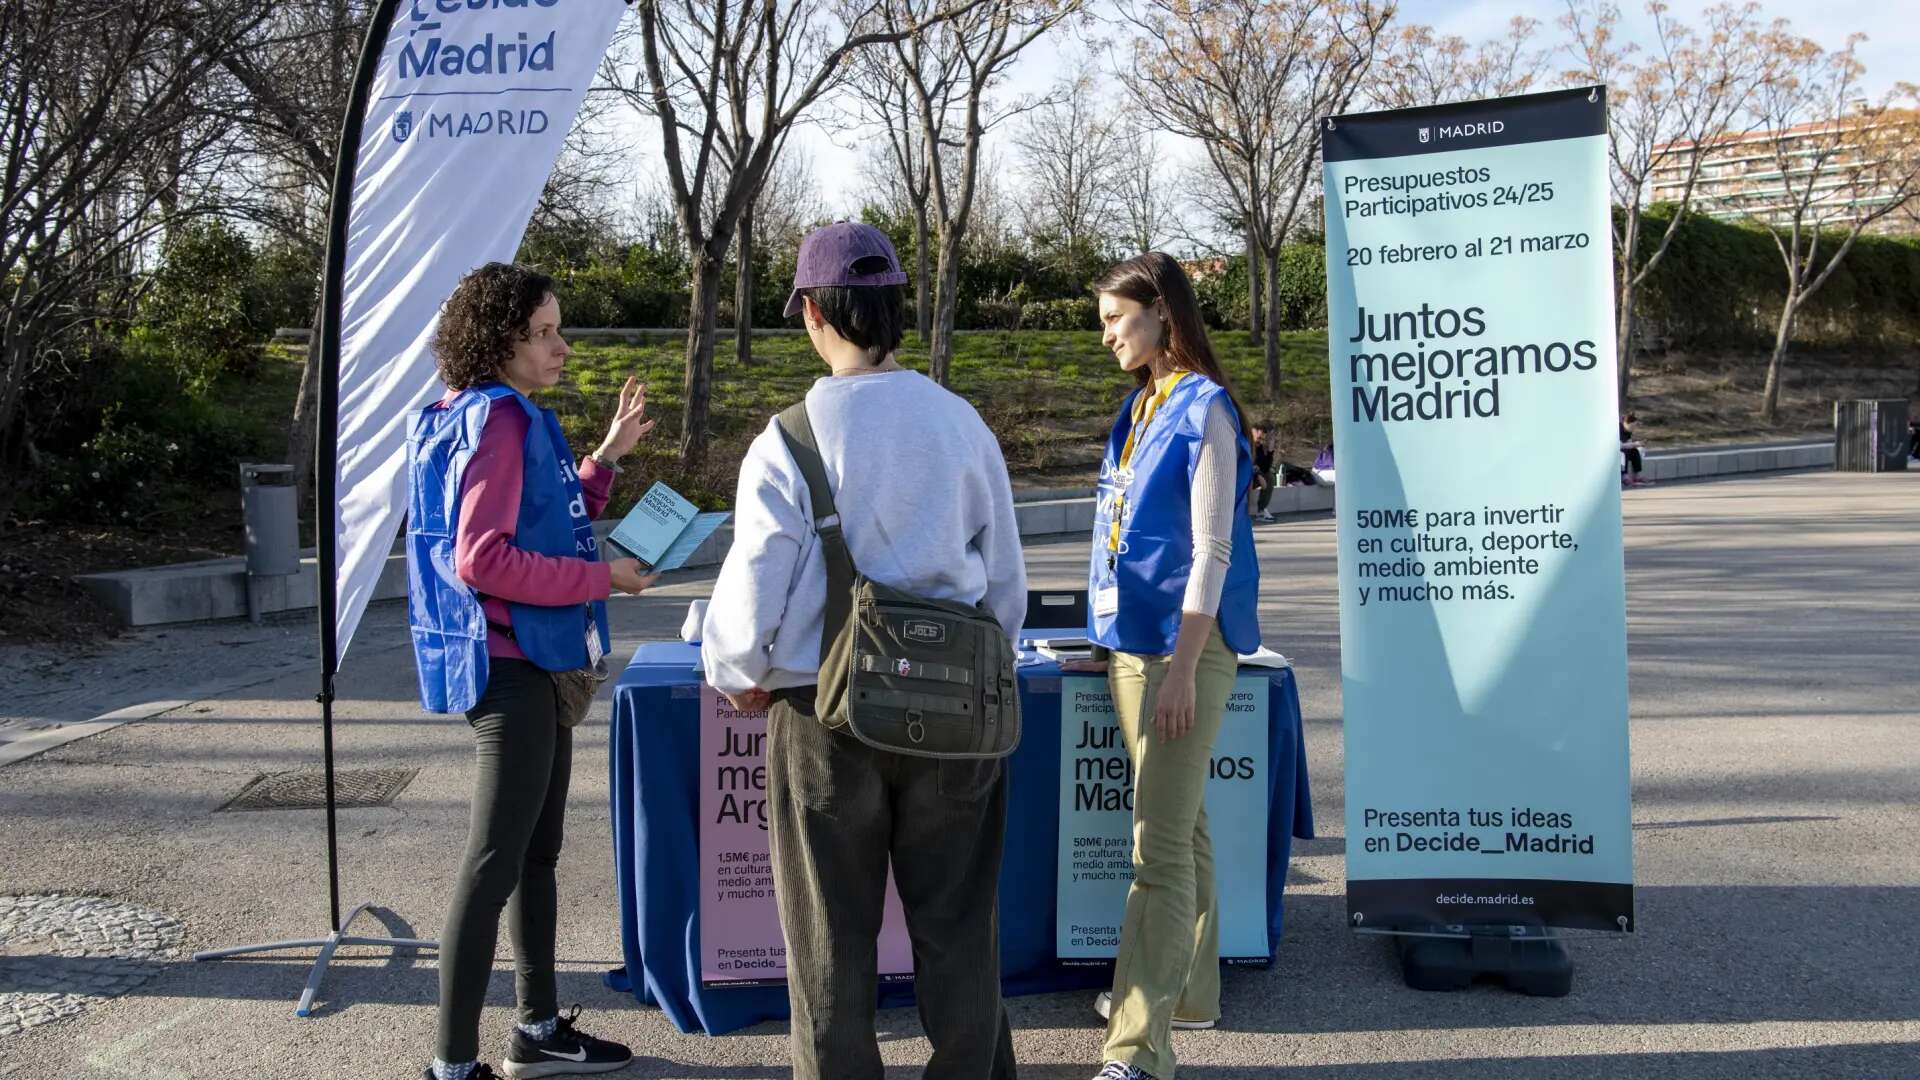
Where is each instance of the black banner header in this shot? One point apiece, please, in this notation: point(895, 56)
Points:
point(1469, 125)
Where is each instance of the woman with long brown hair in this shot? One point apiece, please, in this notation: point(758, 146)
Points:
point(1174, 584)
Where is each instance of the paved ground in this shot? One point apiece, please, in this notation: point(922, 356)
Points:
point(1774, 634)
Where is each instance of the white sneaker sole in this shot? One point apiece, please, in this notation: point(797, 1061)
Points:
point(532, 1070)
point(1103, 1004)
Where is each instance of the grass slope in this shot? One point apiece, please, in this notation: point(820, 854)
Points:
point(1049, 396)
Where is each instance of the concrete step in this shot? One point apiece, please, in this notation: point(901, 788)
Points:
point(1686, 464)
point(217, 588)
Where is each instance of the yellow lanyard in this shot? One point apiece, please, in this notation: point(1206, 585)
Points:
point(1145, 408)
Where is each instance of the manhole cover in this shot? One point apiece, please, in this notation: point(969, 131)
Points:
point(61, 954)
point(308, 790)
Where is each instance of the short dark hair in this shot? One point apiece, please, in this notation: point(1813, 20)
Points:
point(874, 317)
point(488, 311)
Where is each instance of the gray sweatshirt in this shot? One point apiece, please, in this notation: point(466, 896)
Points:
point(925, 505)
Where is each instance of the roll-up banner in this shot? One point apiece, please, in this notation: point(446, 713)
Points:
point(465, 114)
point(1482, 592)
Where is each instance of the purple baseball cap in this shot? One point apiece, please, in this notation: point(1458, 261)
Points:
point(843, 253)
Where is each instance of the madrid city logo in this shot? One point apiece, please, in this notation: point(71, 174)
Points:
point(1426, 135)
point(403, 126)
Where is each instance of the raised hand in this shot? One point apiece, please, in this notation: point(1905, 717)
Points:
point(630, 423)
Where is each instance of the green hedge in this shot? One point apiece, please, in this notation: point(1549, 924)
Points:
point(1072, 313)
point(1303, 290)
point(1721, 286)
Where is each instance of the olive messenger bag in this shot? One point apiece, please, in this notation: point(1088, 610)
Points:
point(928, 678)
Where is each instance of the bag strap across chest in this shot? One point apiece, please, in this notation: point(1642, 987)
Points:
point(796, 429)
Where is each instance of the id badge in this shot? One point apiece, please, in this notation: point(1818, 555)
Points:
point(594, 653)
point(1106, 602)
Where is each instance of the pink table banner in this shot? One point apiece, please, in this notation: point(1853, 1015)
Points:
point(740, 939)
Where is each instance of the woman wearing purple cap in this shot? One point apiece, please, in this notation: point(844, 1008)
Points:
point(924, 505)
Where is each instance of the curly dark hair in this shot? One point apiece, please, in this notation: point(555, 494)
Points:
point(488, 311)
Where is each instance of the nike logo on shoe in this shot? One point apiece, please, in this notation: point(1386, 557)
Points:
point(578, 1055)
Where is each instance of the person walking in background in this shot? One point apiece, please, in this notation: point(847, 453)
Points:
point(1262, 474)
point(1632, 463)
point(925, 506)
point(507, 600)
point(1175, 584)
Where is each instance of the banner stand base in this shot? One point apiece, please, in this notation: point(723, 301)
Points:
point(1529, 960)
point(326, 945)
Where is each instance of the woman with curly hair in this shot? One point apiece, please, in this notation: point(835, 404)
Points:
point(507, 603)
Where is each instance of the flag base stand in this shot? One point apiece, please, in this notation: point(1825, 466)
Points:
point(327, 945)
point(1529, 960)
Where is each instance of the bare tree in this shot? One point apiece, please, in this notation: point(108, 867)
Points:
point(1143, 193)
point(283, 92)
point(954, 65)
point(791, 204)
point(726, 81)
point(882, 97)
point(1419, 68)
point(1249, 80)
point(104, 136)
point(1835, 164)
point(785, 206)
point(1073, 155)
point(1688, 90)
point(743, 258)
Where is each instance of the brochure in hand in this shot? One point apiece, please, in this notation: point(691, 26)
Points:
point(663, 529)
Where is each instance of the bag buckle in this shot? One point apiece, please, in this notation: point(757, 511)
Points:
point(916, 727)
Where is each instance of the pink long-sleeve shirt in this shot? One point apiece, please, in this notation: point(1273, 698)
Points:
point(483, 552)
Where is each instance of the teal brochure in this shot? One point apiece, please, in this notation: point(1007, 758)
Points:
point(1483, 644)
point(663, 530)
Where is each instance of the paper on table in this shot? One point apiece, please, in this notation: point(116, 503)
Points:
point(1062, 650)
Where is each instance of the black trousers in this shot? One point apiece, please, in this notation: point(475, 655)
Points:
point(837, 812)
point(1264, 482)
point(1633, 464)
point(522, 759)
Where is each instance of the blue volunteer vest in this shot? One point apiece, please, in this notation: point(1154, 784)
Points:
point(449, 626)
point(1151, 568)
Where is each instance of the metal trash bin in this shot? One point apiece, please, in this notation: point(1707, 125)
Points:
point(269, 507)
point(1870, 435)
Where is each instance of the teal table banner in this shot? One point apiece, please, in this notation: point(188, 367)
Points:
point(1482, 592)
point(1096, 823)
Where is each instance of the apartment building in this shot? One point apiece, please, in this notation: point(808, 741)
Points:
point(1742, 176)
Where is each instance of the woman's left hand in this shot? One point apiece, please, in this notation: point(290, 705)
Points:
point(1173, 705)
point(630, 423)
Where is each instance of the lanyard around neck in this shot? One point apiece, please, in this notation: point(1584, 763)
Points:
point(1145, 408)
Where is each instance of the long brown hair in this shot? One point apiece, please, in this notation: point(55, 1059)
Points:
point(1157, 276)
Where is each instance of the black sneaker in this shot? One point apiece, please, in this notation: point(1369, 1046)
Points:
point(568, 1051)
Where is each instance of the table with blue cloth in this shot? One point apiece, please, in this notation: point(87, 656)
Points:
point(653, 753)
